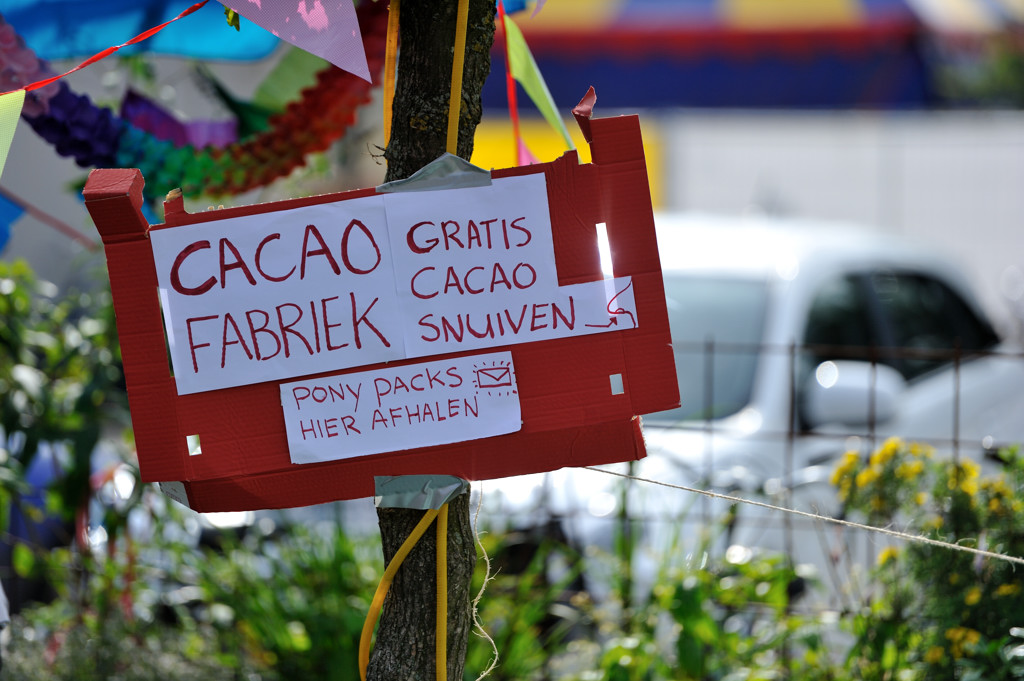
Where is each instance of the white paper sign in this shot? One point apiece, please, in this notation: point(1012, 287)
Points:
point(262, 297)
point(352, 283)
point(397, 408)
point(475, 268)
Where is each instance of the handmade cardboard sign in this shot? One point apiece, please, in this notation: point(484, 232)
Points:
point(316, 343)
point(352, 283)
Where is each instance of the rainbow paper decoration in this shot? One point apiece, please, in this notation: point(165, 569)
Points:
point(95, 137)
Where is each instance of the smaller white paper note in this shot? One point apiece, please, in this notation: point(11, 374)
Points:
point(403, 407)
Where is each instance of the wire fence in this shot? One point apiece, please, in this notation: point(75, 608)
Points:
point(756, 473)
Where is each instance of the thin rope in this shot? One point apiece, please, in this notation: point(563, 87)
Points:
point(458, 63)
point(817, 516)
point(390, 66)
point(488, 578)
point(441, 622)
point(385, 584)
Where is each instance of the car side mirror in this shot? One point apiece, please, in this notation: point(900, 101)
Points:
point(851, 393)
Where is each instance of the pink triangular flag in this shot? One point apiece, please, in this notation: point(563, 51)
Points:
point(526, 157)
point(331, 32)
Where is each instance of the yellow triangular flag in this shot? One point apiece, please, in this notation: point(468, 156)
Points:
point(10, 110)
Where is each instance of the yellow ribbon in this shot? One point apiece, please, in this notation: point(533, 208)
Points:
point(390, 61)
point(458, 66)
point(455, 97)
point(441, 621)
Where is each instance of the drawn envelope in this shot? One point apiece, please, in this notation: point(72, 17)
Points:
point(494, 377)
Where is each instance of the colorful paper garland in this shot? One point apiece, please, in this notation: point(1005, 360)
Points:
point(95, 137)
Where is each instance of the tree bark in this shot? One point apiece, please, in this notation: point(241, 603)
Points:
point(419, 124)
point(404, 648)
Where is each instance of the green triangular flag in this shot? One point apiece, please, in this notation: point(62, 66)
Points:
point(10, 110)
point(525, 71)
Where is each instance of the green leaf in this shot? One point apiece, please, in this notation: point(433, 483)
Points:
point(232, 18)
point(23, 560)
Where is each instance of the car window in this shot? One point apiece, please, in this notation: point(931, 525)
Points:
point(839, 323)
point(909, 321)
point(717, 327)
point(928, 321)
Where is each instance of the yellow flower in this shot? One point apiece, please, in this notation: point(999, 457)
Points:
point(934, 655)
point(846, 466)
point(886, 452)
point(1007, 590)
point(908, 470)
point(970, 488)
point(921, 498)
point(996, 487)
point(994, 505)
point(965, 476)
point(866, 477)
point(973, 595)
point(919, 450)
point(887, 554)
point(960, 638)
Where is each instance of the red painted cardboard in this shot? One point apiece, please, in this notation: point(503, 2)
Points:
point(570, 415)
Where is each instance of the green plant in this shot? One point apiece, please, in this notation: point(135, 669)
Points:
point(295, 600)
point(731, 620)
point(529, 609)
point(939, 612)
point(60, 382)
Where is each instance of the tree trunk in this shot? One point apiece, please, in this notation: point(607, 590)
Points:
point(404, 648)
point(419, 124)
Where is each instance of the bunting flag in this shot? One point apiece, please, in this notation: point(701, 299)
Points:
point(10, 110)
point(331, 32)
point(524, 157)
point(524, 70)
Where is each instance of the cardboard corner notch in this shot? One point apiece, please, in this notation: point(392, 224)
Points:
point(580, 397)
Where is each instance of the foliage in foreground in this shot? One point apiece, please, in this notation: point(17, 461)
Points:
point(939, 613)
point(290, 605)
